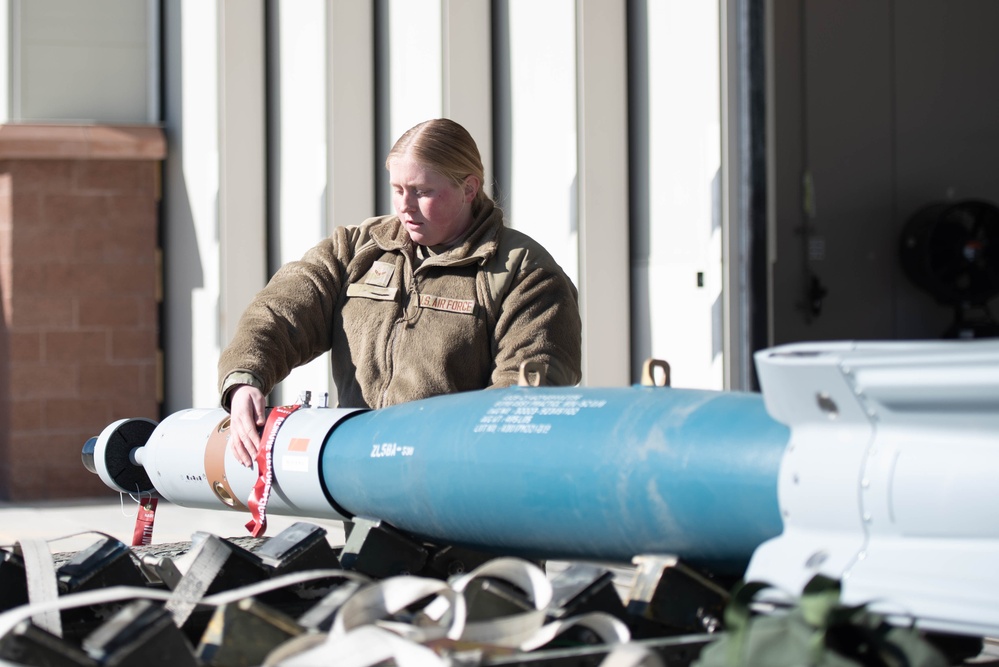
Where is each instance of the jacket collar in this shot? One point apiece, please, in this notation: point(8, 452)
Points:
point(479, 243)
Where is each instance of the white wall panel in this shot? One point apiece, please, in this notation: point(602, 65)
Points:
point(299, 158)
point(242, 168)
point(191, 185)
point(542, 192)
point(467, 83)
point(201, 177)
point(350, 113)
point(6, 61)
point(415, 64)
point(604, 292)
point(684, 219)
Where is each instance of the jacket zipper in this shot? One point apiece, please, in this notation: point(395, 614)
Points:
point(401, 321)
point(394, 337)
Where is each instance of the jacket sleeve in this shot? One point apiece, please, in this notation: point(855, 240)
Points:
point(289, 322)
point(538, 320)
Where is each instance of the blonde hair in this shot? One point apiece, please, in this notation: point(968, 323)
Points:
point(446, 147)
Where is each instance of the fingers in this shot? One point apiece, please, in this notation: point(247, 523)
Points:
point(241, 441)
point(246, 420)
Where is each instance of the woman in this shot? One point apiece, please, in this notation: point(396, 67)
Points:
point(438, 298)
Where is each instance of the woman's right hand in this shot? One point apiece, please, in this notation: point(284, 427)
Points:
point(246, 412)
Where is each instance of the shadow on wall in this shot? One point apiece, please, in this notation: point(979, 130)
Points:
point(717, 316)
point(182, 275)
point(639, 188)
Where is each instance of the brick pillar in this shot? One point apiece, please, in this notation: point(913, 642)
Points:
point(79, 297)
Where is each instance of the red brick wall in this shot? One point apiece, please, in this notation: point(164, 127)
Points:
point(78, 297)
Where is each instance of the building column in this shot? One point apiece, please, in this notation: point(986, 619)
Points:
point(602, 119)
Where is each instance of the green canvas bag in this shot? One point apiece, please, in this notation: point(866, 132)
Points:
point(817, 632)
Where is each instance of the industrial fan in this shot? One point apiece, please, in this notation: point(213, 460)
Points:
point(951, 250)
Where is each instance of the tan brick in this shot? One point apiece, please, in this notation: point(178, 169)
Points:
point(132, 278)
point(78, 279)
point(75, 346)
point(106, 380)
point(75, 210)
point(56, 443)
point(90, 245)
point(113, 310)
point(149, 310)
point(146, 408)
point(25, 346)
point(28, 278)
point(26, 415)
point(26, 210)
point(28, 311)
point(60, 475)
point(114, 176)
point(148, 378)
point(86, 277)
point(85, 413)
point(32, 447)
point(133, 345)
point(37, 243)
point(133, 212)
point(123, 278)
point(29, 381)
point(131, 247)
point(25, 481)
point(40, 175)
point(72, 481)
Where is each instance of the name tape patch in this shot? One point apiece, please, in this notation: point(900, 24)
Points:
point(464, 306)
point(372, 292)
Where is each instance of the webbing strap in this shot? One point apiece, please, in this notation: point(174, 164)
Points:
point(514, 630)
point(631, 655)
point(608, 629)
point(364, 633)
point(195, 582)
point(10, 618)
point(366, 646)
point(378, 602)
point(39, 569)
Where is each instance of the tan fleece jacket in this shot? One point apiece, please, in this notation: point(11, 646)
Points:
point(462, 319)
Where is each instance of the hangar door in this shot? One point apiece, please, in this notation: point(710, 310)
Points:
point(879, 108)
